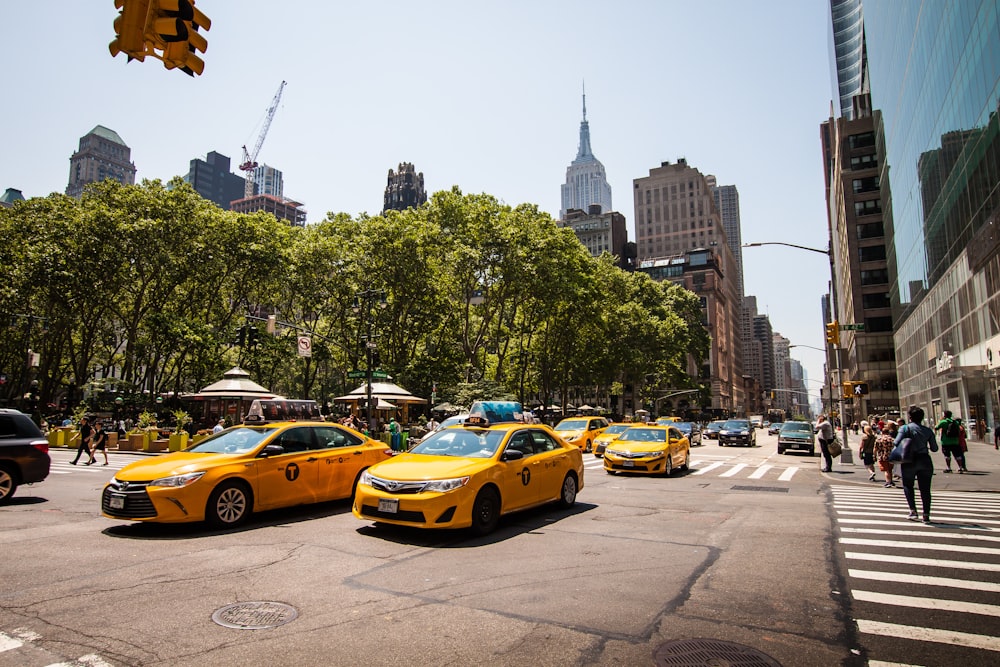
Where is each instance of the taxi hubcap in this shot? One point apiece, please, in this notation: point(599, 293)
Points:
point(232, 504)
point(569, 490)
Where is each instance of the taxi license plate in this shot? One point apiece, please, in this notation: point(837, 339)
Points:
point(629, 464)
point(388, 505)
point(116, 502)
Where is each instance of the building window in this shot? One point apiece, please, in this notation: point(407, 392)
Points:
point(869, 184)
point(878, 324)
point(861, 140)
point(875, 277)
point(877, 300)
point(870, 230)
point(869, 207)
point(864, 162)
point(873, 253)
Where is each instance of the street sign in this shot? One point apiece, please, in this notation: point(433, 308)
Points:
point(356, 374)
point(376, 375)
point(305, 346)
point(380, 375)
point(852, 327)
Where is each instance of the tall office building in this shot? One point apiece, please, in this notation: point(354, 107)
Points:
point(935, 66)
point(727, 200)
point(102, 154)
point(601, 232)
point(268, 181)
point(857, 231)
point(404, 189)
point(847, 53)
point(212, 179)
point(586, 183)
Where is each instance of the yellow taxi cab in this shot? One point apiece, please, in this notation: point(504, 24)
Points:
point(581, 431)
point(651, 449)
point(667, 421)
point(468, 476)
point(243, 469)
point(612, 432)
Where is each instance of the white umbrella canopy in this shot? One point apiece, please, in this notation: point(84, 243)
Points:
point(587, 407)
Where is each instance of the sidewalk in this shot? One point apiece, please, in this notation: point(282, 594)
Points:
point(982, 460)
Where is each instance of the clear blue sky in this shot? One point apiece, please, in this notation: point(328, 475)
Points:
point(485, 96)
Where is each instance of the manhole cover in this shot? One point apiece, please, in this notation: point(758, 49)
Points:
point(254, 615)
point(710, 653)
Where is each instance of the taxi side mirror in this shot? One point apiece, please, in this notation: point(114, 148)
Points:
point(511, 455)
point(271, 450)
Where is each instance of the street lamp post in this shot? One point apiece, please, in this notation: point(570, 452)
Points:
point(364, 302)
point(846, 456)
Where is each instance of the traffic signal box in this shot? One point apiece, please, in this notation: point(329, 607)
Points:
point(855, 389)
point(833, 333)
point(164, 29)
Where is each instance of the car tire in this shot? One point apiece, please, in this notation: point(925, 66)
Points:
point(687, 462)
point(780, 450)
point(485, 511)
point(8, 485)
point(610, 471)
point(567, 495)
point(812, 451)
point(229, 506)
point(668, 467)
point(589, 447)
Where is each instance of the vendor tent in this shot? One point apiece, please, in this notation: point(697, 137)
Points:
point(392, 395)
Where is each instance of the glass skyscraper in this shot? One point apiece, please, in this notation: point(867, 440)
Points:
point(934, 72)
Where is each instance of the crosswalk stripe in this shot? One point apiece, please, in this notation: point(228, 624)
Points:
point(929, 546)
point(972, 495)
point(927, 603)
point(937, 506)
point(929, 562)
point(8, 643)
point(788, 474)
point(902, 522)
point(929, 532)
point(711, 466)
point(937, 517)
point(924, 580)
point(734, 470)
point(929, 635)
point(761, 471)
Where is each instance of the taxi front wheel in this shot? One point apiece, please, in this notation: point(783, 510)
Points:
point(228, 506)
point(485, 512)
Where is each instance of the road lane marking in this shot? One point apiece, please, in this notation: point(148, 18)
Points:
point(8, 643)
point(788, 474)
point(927, 603)
point(761, 471)
point(929, 635)
point(924, 580)
point(929, 532)
point(711, 466)
point(937, 518)
point(902, 522)
point(929, 562)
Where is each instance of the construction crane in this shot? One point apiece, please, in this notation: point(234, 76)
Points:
point(250, 159)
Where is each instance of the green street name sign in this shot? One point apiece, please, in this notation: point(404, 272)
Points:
point(378, 375)
point(852, 327)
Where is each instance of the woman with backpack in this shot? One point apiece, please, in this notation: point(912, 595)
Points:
point(951, 435)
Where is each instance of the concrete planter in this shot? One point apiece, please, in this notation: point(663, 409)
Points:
point(178, 441)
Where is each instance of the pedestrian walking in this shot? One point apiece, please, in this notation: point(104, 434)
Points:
point(951, 432)
point(86, 433)
point(219, 426)
point(826, 436)
point(920, 467)
point(100, 442)
point(884, 443)
point(996, 437)
point(981, 430)
point(866, 451)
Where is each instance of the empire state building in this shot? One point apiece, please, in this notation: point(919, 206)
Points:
point(586, 182)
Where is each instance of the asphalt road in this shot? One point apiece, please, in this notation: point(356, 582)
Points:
point(752, 548)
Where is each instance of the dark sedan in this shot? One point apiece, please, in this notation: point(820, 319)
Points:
point(691, 430)
point(712, 430)
point(738, 432)
point(24, 453)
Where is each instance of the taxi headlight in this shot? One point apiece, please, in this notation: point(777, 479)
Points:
point(365, 478)
point(446, 484)
point(178, 480)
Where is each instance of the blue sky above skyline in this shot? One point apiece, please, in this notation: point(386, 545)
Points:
point(483, 96)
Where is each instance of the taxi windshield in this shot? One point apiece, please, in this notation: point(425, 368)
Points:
point(572, 425)
point(238, 440)
point(803, 427)
point(465, 442)
point(645, 435)
point(616, 428)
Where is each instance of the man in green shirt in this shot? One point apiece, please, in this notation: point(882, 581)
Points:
point(950, 433)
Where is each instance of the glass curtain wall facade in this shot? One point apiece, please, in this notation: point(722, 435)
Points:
point(934, 71)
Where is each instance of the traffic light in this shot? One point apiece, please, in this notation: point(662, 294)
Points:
point(241, 336)
point(175, 25)
point(163, 29)
point(833, 333)
point(847, 390)
point(253, 336)
point(860, 388)
point(130, 28)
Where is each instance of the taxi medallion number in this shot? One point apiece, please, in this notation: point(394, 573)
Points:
point(388, 505)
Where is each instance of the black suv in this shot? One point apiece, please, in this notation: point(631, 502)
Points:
point(738, 432)
point(24, 452)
